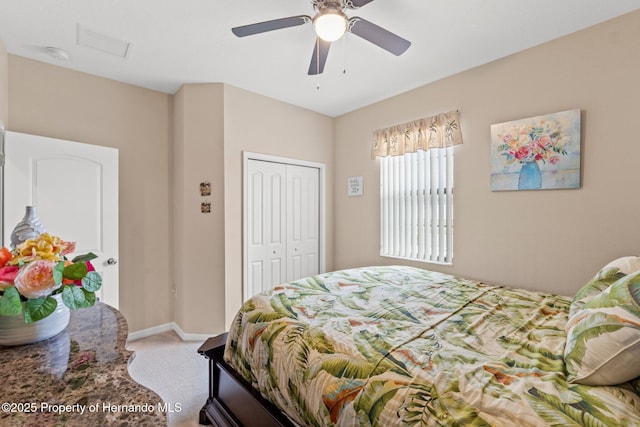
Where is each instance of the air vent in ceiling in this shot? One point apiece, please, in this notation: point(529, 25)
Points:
point(103, 43)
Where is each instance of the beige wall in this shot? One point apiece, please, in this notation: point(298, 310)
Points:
point(547, 240)
point(198, 249)
point(4, 85)
point(56, 102)
point(258, 124)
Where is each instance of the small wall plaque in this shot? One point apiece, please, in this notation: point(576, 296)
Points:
point(354, 186)
point(205, 207)
point(205, 189)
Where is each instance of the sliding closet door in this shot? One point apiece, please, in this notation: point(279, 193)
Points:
point(302, 221)
point(282, 215)
point(266, 216)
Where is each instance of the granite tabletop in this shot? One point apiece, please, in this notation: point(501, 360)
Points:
point(77, 378)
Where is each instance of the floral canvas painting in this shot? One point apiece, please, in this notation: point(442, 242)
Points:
point(537, 153)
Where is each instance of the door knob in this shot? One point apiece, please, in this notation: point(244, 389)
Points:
point(112, 261)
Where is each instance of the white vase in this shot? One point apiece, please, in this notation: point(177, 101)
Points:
point(14, 331)
point(29, 227)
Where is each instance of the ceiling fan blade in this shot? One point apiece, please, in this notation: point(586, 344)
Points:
point(276, 24)
point(355, 4)
point(319, 57)
point(378, 36)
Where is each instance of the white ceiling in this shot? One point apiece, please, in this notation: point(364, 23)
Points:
point(190, 41)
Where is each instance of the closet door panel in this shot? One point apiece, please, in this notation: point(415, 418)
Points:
point(267, 225)
point(302, 221)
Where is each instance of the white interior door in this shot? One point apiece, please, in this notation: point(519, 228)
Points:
point(74, 188)
point(282, 223)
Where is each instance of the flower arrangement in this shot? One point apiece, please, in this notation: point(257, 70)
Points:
point(524, 143)
point(37, 269)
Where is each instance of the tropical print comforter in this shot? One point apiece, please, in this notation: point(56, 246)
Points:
point(400, 346)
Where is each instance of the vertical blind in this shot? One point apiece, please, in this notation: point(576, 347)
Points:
point(416, 187)
point(416, 205)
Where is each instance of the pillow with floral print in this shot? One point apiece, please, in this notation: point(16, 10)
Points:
point(626, 264)
point(603, 334)
point(598, 284)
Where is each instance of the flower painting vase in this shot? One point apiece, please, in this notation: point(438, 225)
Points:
point(15, 331)
point(530, 177)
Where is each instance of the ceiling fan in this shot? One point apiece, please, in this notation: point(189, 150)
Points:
point(330, 23)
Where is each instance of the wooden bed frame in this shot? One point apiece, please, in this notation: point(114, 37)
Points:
point(232, 401)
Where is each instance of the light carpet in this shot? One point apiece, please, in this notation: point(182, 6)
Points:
point(175, 371)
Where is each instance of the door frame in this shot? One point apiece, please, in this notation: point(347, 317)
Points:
point(2, 131)
point(246, 157)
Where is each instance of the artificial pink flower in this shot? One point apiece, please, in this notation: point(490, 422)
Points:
point(554, 160)
point(35, 280)
point(66, 247)
point(8, 274)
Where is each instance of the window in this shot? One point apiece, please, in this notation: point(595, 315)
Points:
point(416, 187)
point(416, 205)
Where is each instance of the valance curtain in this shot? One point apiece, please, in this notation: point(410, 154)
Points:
point(439, 131)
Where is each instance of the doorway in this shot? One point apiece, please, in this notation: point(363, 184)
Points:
point(74, 187)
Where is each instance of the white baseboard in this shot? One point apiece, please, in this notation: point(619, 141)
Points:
point(152, 331)
point(172, 326)
point(191, 337)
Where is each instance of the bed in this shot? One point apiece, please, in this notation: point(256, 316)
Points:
point(401, 346)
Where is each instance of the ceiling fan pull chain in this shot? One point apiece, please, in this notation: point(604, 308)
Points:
point(318, 56)
point(318, 61)
point(344, 54)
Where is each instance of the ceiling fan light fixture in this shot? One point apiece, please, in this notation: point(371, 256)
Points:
point(330, 24)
